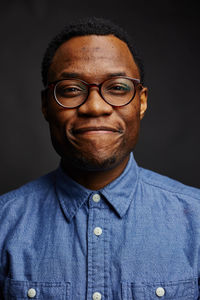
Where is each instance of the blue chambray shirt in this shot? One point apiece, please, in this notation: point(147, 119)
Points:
point(137, 238)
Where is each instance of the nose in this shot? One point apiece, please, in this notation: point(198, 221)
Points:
point(95, 105)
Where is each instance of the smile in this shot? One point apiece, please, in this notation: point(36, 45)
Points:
point(96, 130)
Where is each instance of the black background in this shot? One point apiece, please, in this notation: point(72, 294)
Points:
point(167, 35)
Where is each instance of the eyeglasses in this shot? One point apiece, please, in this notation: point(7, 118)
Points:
point(117, 91)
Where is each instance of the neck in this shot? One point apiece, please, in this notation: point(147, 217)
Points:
point(94, 180)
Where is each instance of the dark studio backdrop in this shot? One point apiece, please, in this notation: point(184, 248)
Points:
point(167, 35)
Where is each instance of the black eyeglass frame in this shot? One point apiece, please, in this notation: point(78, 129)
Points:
point(136, 83)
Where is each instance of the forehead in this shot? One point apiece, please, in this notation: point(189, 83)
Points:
point(93, 56)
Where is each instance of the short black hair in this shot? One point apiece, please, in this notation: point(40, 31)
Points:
point(89, 26)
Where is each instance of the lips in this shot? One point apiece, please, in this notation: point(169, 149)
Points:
point(95, 129)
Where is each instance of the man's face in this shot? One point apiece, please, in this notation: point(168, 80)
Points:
point(96, 135)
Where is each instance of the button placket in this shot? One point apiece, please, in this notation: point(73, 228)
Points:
point(97, 249)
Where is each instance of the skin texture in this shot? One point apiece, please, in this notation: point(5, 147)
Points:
point(95, 139)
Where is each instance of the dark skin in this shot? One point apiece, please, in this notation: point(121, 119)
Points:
point(95, 139)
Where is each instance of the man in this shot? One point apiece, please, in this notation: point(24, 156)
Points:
point(99, 227)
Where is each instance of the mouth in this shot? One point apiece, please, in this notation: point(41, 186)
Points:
point(96, 130)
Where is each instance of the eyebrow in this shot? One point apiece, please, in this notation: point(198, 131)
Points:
point(79, 75)
point(70, 75)
point(117, 74)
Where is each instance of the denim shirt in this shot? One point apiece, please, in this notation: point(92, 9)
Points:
point(137, 238)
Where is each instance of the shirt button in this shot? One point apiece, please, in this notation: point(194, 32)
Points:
point(96, 296)
point(96, 197)
point(31, 293)
point(98, 231)
point(160, 292)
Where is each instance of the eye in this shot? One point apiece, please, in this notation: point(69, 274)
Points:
point(69, 91)
point(118, 88)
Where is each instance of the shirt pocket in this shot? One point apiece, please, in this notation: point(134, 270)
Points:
point(21, 290)
point(181, 290)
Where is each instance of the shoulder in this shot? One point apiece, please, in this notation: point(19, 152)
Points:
point(31, 190)
point(165, 184)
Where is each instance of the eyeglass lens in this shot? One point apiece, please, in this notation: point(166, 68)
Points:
point(73, 92)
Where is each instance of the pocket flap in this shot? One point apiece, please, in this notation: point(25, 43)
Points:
point(15, 289)
point(184, 290)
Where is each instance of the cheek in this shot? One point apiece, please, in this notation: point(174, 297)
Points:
point(131, 116)
point(59, 124)
point(60, 117)
point(56, 114)
point(60, 121)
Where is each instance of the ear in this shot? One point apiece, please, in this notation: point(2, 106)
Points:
point(143, 101)
point(44, 104)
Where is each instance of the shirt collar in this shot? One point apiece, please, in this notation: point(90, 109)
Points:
point(119, 193)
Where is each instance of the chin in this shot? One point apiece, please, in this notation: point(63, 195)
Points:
point(90, 160)
point(91, 163)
